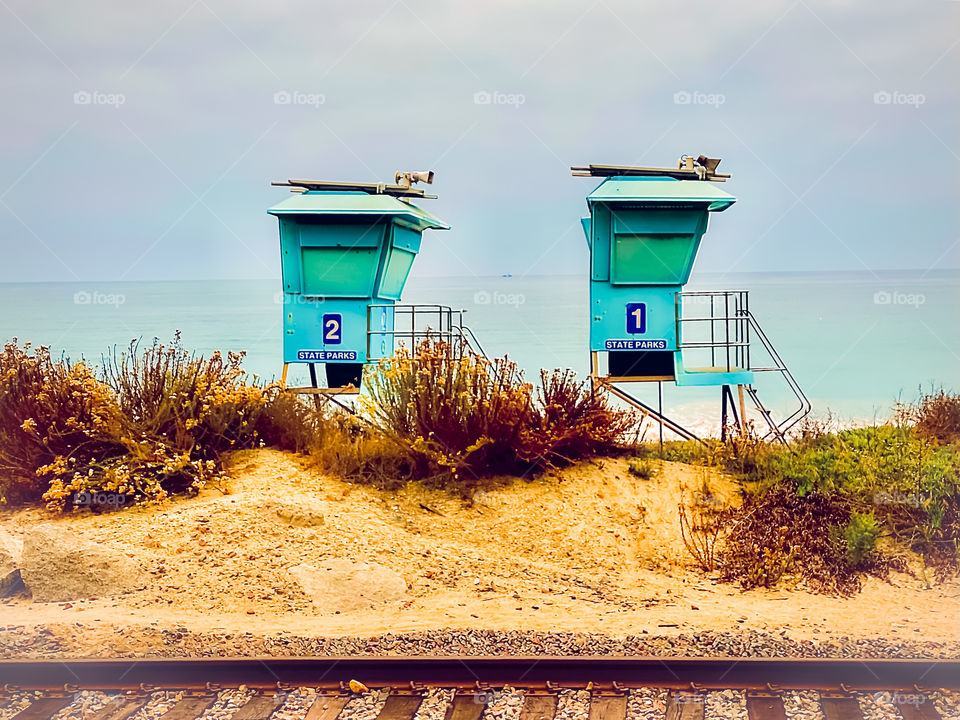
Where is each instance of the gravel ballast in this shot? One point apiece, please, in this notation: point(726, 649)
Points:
point(72, 641)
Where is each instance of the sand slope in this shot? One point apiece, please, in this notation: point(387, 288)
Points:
point(590, 549)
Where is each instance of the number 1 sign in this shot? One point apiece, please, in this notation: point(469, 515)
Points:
point(636, 318)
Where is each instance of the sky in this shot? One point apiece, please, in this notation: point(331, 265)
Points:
point(138, 141)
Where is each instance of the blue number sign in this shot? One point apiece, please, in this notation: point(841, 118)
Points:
point(636, 318)
point(332, 328)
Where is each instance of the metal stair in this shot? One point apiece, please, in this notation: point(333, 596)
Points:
point(777, 430)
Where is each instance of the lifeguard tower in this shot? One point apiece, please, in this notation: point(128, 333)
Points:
point(644, 230)
point(346, 250)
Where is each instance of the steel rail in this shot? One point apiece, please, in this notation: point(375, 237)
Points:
point(480, 672)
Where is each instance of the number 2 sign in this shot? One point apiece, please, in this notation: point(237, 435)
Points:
point(332, 327)
point(636, 318)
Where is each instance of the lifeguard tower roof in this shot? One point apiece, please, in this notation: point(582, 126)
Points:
point(667, 191)
point(356, 202)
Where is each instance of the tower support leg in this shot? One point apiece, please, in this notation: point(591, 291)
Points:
point(727, 401)
point(660, 410)
point(743, 410)
point(313, 383)
point(724, 391)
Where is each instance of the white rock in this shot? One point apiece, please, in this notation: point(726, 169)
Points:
point(345, 586)
point(11, 550)
point(58, 566)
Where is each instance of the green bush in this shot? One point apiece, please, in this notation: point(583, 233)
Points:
point(777, 532)
point(861, 534)
point(642, 468)
point(900, 479)
point(687, 451)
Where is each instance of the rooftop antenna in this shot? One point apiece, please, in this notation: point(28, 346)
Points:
point(402, 188)
point(688, 168)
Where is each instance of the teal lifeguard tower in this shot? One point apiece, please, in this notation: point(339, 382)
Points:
point(644, 230)
point(346, 250)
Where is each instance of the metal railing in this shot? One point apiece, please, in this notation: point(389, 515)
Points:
point(730, 336)
point(729, 332)
point(411, 323)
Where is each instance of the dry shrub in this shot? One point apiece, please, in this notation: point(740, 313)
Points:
point(576, 421)
point(353, 450)
point(160, 419)
point(56, 419)
point(156, 424)
point(201, 406)
point(703, 519)
point(454, 410)
point(937, 417)
point(291, 421)
point(462, 417)
point(816, 537)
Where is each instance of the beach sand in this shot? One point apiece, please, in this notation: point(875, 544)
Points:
point(589, 549)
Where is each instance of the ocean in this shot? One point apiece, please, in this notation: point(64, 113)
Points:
point(857, 342)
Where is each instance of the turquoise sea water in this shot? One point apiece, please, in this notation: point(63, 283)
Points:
point(856, 342)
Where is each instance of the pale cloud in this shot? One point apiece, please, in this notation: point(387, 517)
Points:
point(378, 86)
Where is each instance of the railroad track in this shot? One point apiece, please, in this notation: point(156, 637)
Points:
point(469, 688)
